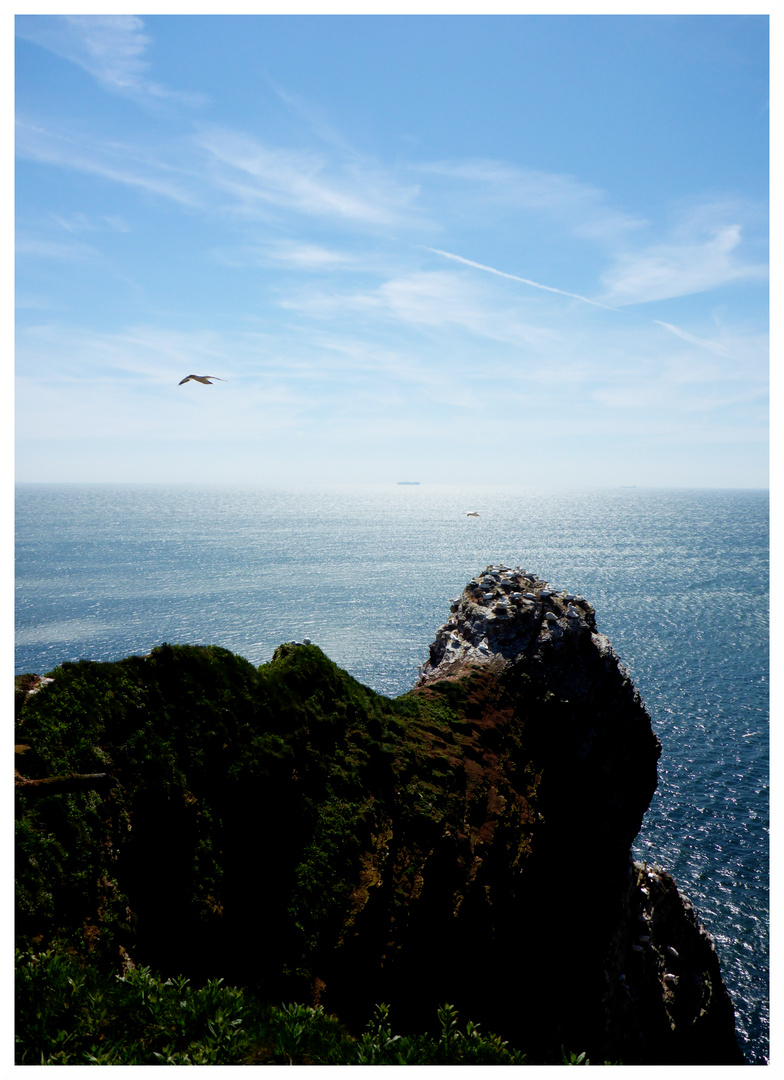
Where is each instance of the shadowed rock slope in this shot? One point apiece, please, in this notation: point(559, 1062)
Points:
point(288, 829)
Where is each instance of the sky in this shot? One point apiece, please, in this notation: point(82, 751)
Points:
point(503, 249)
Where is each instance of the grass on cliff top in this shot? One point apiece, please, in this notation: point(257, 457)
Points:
point(199, 748)
point(233, 797)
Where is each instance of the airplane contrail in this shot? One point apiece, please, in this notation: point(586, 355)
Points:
point(514, 277)
point(683, 334)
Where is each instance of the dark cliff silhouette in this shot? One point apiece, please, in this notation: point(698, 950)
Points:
point(289, 830)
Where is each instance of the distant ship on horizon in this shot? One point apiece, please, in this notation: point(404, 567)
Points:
point(408, 483)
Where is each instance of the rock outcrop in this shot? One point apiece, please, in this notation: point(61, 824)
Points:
point(469, 842)
point(621, 938)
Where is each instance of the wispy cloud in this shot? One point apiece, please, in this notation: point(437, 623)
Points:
point(124, 384)
point(38, 247)
point(224, 172)
point(308, 256)
point(293, 254)
point(680, 267)
point(78, 222)
point(110, 48)
point(702, 343)
point(119, 162)
point(314, 118)
point(261, 177)
point(422, 302)
point(573, 205)
point(704, 249)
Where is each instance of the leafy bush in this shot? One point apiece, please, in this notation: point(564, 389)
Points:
point(296, 1034)
point(378, 1046)
point(70, 1014)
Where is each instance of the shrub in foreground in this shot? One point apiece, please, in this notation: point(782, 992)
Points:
point(69, 1013)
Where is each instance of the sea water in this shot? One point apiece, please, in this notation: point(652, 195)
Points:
point(679, 580)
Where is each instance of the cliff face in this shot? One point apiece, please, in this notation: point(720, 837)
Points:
point(664, 999)
point(286, 828)
point(595, 740)
point(621, 951)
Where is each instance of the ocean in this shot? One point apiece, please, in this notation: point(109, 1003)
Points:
point(678, 577)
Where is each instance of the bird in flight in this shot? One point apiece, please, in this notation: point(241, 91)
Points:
point(200, 378)
point(472, 513)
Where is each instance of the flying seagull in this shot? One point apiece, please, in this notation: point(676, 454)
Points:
point(201, 378)
point(472, 513)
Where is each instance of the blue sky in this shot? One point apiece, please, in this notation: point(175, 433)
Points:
point(509, 249)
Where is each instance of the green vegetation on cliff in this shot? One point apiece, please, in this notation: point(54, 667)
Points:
point(69, 1013)
point(191, 825)
point(281, 828)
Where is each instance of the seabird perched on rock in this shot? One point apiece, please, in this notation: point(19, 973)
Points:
point(201, 378)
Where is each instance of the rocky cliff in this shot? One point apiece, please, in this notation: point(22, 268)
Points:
point(289, 830)
point(632, 945)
